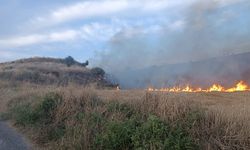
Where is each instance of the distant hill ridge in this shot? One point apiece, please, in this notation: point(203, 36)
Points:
point(45, 70)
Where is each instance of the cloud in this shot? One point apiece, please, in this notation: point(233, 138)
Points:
point(82, 10)
point(101, 22)
point(100, 31)
point(109, 8)
point(63, 36)
point(94, 32)
point(177, 25)
point(105, 9)
point(87, 9)
point(39, 38)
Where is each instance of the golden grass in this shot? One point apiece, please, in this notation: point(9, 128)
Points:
point(224, 121)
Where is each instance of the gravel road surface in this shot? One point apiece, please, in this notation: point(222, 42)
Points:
point(10, 139)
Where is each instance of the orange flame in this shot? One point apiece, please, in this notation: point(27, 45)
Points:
point(240, 86)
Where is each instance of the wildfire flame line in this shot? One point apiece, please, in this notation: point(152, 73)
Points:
point(240, 86)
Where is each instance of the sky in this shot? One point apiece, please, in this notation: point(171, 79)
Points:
point(111, 33)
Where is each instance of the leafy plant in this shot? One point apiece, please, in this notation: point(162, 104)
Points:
point(117, 135)
point(25, 114)
point(150, 134)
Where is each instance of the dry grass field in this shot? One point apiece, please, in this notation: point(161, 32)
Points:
point(226, 122)
point(74, 117)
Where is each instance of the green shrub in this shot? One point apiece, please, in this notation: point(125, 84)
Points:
point(25, 114)
point(151, 134)
point(80, 116)
point(156, 134)
point(56, 132)
point(138, 134)
point(178, 139)
point(51, 100)
point(95, 119)
point(117, 135)
point(47, 107)
point(5, 116)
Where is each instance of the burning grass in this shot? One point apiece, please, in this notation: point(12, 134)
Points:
point(80, 118)
point(240, 86)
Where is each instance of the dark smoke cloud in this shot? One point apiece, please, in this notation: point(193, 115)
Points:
point(208, 29)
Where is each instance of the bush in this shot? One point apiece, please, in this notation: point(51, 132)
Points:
point(98, 72)
point(117, 135)
point(47, 107)
point(155, 134)
point(69, 61)
point(55, 132)
point(25, 114)
point(150, 134)
point(85, 64)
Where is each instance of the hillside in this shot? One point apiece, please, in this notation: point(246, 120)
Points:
point(53, 71)
point(225, 70)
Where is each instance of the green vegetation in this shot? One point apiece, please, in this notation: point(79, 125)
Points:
point(25, 114)
point(69, 61)
point(98, 72)
point(152, 133)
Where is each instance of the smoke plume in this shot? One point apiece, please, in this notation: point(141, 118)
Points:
point(173, 53)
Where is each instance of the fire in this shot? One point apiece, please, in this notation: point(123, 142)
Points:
point(216, 87)
point(240, 86)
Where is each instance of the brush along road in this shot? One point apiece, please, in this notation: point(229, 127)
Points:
point(10, 139)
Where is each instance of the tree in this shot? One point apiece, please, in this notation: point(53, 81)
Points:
point(98, 72)
point(69, 61)
point(85, 64)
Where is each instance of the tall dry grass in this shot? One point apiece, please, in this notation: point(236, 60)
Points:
point(215, 127)
point(214, 120)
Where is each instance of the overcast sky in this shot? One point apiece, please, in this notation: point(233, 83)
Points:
point(87, 29)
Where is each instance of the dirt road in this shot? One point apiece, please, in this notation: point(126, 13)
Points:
point(10, 139)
